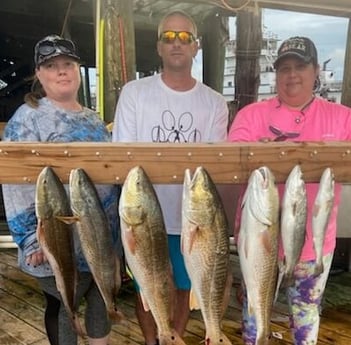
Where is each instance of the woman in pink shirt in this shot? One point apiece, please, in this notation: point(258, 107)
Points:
point(295, 114)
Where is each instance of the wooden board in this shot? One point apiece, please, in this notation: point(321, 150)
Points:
point(229, 163)
point(22, 312)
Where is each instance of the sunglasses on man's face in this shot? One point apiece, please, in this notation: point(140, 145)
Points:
point(48, 47)
point(184, 37)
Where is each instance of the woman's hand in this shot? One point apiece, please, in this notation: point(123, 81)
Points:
point(36, 259)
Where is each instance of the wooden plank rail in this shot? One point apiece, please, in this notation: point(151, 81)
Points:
point(228, 163)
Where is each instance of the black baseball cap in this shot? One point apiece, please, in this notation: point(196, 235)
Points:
point(301, 47)
point(52, 46)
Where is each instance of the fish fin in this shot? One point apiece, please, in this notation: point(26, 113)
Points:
point(129, 272)
point(288, 275)
point(193, 302)
point(315, 211)
point(78, 326)
point(77, 277)
point(266, 241)
point(40, 231)
point(318, 269)
point(279, 280)
point(144, 302)
point(190, 232)
point(243, 244)
point(68, 219)
point(39, 223)
point(244, 198)
point(118, 275)
point(130, 239)
point(182, 245)
point(193, 233)
point(172, 289)
point(289, 280)
point(250, 309)
point(246, 248)
point(116, 316)
point(227, 291)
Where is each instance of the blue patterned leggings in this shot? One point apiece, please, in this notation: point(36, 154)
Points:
point(304, 300)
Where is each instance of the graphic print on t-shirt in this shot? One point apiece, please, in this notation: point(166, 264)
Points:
point(175, 129)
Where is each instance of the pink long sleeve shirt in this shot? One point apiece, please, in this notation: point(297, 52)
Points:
point(319, 121)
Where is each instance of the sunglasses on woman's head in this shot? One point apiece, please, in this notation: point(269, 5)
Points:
point(46, 48)
point(184, 37)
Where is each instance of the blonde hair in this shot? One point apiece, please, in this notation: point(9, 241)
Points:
point(36, 92)
point(176, 13)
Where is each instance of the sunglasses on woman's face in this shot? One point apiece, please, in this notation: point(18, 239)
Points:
point(46, 48)
point(184, 37)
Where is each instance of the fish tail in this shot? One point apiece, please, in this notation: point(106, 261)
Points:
point(289, 280)
point(171, 339)
point(116, 316)
point(262, 339)
point(279, 283)
point(78, 326)
point(318, 269)
point(223, 339)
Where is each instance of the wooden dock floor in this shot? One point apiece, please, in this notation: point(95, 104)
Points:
point(22, 306)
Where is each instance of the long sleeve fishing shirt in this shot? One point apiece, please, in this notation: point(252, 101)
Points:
point(49, 123)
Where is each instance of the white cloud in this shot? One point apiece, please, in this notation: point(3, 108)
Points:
point(327, 32)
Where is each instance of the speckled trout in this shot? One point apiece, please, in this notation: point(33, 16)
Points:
point(205, 247)
point(95, 237)
point(321, 211)
point(258, 248)
point(293, 222)
point(144, 239)
point(56, 238)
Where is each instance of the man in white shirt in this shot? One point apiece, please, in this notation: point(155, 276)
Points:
point(171, 107)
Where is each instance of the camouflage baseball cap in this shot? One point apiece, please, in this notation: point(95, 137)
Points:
point(52, 46)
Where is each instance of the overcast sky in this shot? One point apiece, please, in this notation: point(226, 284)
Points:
point(327, 32)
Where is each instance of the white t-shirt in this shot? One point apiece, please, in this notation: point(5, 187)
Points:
point(149, 111)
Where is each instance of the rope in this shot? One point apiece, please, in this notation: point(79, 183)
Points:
point(234, 9)
point(224, 4)
point(248, 53)
point(66, 17)
point(123, 50)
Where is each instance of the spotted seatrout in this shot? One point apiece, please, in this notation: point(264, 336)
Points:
point(321, 211)
point(258, 248)
point(293, 222)
point(205, 246)
point(144, 239)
